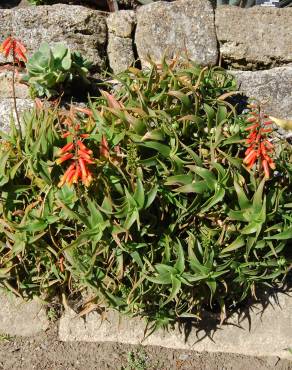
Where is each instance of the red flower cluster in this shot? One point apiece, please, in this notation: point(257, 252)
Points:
point(81, 156)
point(77, 152)
point(259, 147)
point(15, 48)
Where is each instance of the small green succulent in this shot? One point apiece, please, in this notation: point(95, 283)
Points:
point(242, 3)
point(37, 2)
point(52, 69)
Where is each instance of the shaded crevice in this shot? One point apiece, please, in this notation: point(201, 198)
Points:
point(137, 63)
point(219, 56)
point(243, 64)
point(104, 54)
point(85, 32)
point(8, 4)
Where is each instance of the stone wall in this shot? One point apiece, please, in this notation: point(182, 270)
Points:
point(81, 28)
point(255, 43)
point(181, 27)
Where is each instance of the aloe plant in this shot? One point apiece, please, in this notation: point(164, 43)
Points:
point(173, 219)
point(51, 69)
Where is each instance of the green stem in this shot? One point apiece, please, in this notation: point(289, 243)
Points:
point(14, 98)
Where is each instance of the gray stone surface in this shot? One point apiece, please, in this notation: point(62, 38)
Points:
point(6, 91)
point(120, 44)
point(254, 37)
point(268, 333)
point(121, 23)
point(176, 28)
point(21, 318)
point(81, 28)
point(120, 53)
point(272, 87)
point(6, 110)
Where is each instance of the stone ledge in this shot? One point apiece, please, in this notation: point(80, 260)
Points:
point(21, 318)
point(269, 332)
point(272, 87)
point(255, 37)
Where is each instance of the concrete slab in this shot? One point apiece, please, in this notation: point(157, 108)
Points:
point(265, 333)
point(21, 318)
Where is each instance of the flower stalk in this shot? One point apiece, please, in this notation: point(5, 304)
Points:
point(17, 50)
point(260, 149)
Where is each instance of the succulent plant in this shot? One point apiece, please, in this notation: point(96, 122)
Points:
point(157, 198)
point(51, 69)
point(249, 3)
point(242, 3)
point(36, 2)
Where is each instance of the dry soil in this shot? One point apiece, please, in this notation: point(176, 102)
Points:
point(46, 352)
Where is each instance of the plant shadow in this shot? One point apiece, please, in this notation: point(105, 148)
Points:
point(7, 4)
point(238, 316)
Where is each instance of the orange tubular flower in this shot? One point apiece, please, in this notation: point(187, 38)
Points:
point(68, 133)
point(259, 147)
point(70, 177)
point(64, 177)
point(250, 157)
point(88, 179)
point(84, 154)
point(82, 168)
point(252, 119)
point(77, 174)
point(67, 148)
point(12, 46)
point(83, 147)
point(268, 144)
point(266, 168)
point(249, 149)
point(252, 127)
point(270, 162)
point(64, 158)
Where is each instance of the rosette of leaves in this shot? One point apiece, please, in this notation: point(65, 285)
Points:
point(51, 70)
point(242, 3)
point(37, 2)
point(172, 223)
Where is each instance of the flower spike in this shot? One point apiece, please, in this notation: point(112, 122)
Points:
point(77, 152)
point(259, 147)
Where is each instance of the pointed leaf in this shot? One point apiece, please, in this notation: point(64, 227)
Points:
point(176, 285)
point(284, 235)
point(139, 195)
point(238, 243)
point(207, 175)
